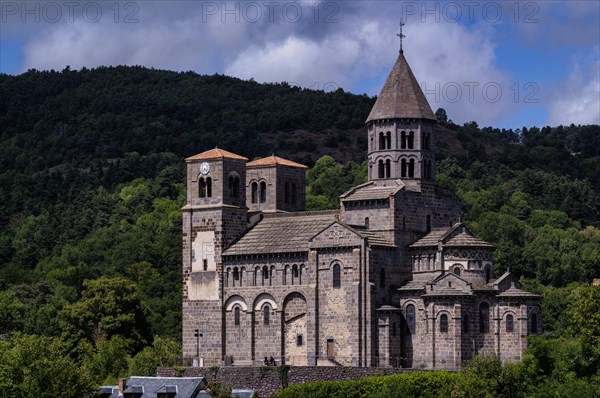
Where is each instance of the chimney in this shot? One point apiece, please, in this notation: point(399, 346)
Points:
point(122, 386)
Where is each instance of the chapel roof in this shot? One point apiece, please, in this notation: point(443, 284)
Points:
point(456, 236)
point(282, 233)
point(274, 161)
point(370, 191)
point(216, 153)
point(401, 96)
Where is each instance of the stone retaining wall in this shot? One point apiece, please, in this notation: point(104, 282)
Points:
point(266, 380)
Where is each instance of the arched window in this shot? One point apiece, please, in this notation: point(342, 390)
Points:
point(265, 274)
point(411, 140)
point(263, 192)
point(381, 169)
point(382, 278)
point(465, 323)
point(388, 140)
point(426, 142)
point(534, 323)
point(488, 274)
point(457, 271)
point(403, 168)
point(444, 323)
point(236, 276)
point(202, 188)
point(295, 272)
point(287, 193)
point(337, 277)
point(388, 168)
point(256, 271)
point(266, 314)
point(236, 316)
point(234, 186)
point(403, 140)
point(510, 325)
point(254, 192)
point(366, 222)
point(209, 187)
point(428, 221)
point(411, 168)
point(411, 318)
point(299, 340)
point(484, 318)
point(294, 193)
point(381, 141)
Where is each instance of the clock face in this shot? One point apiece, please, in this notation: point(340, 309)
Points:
point(204, 168)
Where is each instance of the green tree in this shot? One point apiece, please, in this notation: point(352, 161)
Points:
point(163, 352)
point(35, 366)
point(108, 307)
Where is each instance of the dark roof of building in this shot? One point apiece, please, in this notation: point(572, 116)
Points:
point(388, 308)
point(216, 153)
point(282, 233)
point(370, 191)
point(374, 238)
point(274, 161)
point(185, 387)
point(401, 96)
point(235, 393)
point(448, 238)
point(412, 285)
point(464, 239)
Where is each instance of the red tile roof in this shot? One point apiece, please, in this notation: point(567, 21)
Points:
point(216, 153)
point(273, 161)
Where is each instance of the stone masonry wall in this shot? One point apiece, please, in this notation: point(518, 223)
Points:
point(266, 380)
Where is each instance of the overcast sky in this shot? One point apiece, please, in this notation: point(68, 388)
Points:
point(500, 63)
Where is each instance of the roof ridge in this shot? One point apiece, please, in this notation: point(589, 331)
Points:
point(301, 213)
point(216, 153)
point(275, 160)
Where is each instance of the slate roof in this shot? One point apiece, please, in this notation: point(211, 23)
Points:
point(464, 239)
point(432, 238)
point(447, 239)
point(216, 153)
point(370, 191)
point(186, 387)
point(374, 238)
point(273, 161)
point(412, 285)
point(401, 96)
point(282, 233)
point(235, 393)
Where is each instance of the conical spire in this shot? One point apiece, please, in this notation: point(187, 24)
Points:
point(401, 96)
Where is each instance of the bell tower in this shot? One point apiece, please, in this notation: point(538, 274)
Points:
point(401, 130)
point(214, 216)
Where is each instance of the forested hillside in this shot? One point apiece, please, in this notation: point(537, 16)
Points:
point(91, 186)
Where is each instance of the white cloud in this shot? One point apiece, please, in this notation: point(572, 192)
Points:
point(356, 53)
point(578, 99)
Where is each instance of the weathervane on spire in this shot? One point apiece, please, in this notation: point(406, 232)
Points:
point(401, 35)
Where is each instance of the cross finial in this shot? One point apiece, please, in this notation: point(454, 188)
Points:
point(401, 35)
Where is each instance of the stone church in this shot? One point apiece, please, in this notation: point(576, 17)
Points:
point(391, 278)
